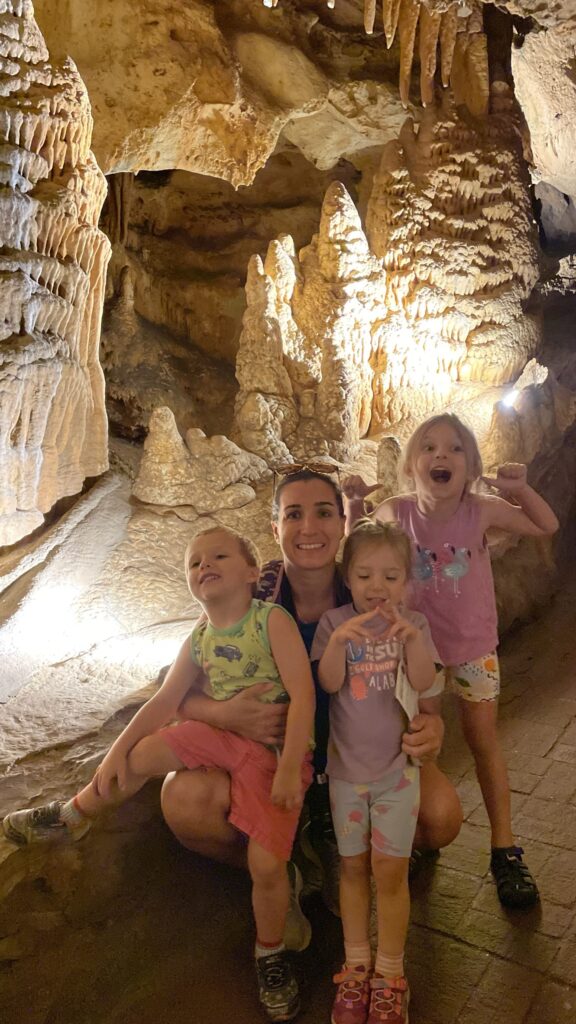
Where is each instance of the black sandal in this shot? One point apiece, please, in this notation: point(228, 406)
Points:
point(514, 883)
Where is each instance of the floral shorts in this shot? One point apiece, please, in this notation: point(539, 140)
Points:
point(380, 814)
point(475, 680)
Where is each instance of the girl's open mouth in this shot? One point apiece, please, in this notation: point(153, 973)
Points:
point(440, 475)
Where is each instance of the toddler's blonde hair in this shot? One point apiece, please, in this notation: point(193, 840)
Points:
point(247, 547)
point(467, 438)
point(375, 533)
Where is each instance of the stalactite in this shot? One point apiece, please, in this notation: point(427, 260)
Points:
point(429, 31)
point(390, 13)
point(407, 26)
point(369, 16)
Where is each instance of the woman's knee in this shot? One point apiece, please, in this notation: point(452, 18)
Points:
point(440, 816)
point(191, 800)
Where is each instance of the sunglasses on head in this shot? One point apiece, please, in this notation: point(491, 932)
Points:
point(289, 469)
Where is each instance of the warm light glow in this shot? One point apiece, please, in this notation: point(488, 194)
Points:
point(510, 397)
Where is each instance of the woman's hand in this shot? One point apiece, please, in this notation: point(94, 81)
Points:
point(511, 478)
point(254, 719)
point(424, 740)
point(287, 787)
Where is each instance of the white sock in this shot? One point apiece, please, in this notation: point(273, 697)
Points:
point(358, 954)
point(71, 814)
point(389, 967)
point(260, 950)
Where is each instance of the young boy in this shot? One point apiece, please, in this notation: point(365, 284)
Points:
point(239, 643)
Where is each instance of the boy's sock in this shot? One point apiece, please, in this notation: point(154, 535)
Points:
point(268, 948)
point(358, 954)
point(389, 967)
point(72, 816)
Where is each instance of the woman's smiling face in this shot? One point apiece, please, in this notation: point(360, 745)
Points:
point(309, 527)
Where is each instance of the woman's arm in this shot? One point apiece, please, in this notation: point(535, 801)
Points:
point(531, 517)
point(245, 714)
point(291, 659)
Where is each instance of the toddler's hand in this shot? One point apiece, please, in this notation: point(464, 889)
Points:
point(114, 767)
point(511, 478)
point(287, 788)
point(400, 628)
point(356, 630)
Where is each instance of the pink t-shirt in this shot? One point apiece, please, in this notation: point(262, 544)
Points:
point(452, 581)
point(366, 720)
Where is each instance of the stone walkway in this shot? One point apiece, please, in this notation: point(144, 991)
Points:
point(129, 928)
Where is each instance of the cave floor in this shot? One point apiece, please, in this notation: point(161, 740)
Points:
point(127, 927)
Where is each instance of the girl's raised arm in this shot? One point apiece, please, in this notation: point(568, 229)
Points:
point(532, 516)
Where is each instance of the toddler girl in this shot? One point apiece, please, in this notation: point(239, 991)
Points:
point(372, 652)
point(453, 587)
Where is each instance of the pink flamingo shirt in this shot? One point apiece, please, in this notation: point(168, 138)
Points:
point(452, 582)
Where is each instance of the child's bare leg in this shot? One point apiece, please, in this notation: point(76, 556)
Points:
point(355, 898)
point(479, 725)
point(270, 894)
point(393, 907)
point(148, 759)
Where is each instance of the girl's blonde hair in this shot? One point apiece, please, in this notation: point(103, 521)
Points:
point(371, 531)
point(412, 446)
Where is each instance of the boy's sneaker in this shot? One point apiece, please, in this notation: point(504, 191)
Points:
point(352, 996)
point(277, 986)
point(297, 930)
point(514, 883)
point(42, 825)
point(389, 1001)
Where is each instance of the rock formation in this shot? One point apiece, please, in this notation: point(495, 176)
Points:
point(206, 473)
point(364, 332)
point(53, 261)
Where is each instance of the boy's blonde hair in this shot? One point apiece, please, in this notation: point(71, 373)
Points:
point(467, 438)
point(370, 531)
point(247, 547)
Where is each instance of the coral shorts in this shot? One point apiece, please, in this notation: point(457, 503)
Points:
point(251, 768)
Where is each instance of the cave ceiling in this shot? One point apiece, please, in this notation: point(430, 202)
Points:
point(217, 88)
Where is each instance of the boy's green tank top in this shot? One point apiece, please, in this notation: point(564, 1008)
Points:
point(239, 656)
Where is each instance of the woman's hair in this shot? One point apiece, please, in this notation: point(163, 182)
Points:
point(305, 475)
point(412, 446)
point(370, 531)
point(247, 547)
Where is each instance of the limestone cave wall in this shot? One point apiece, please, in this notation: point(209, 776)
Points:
point(53, 425)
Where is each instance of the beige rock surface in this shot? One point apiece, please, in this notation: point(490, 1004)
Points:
point(206, 473)
point(545, 84)
point(53, 264)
